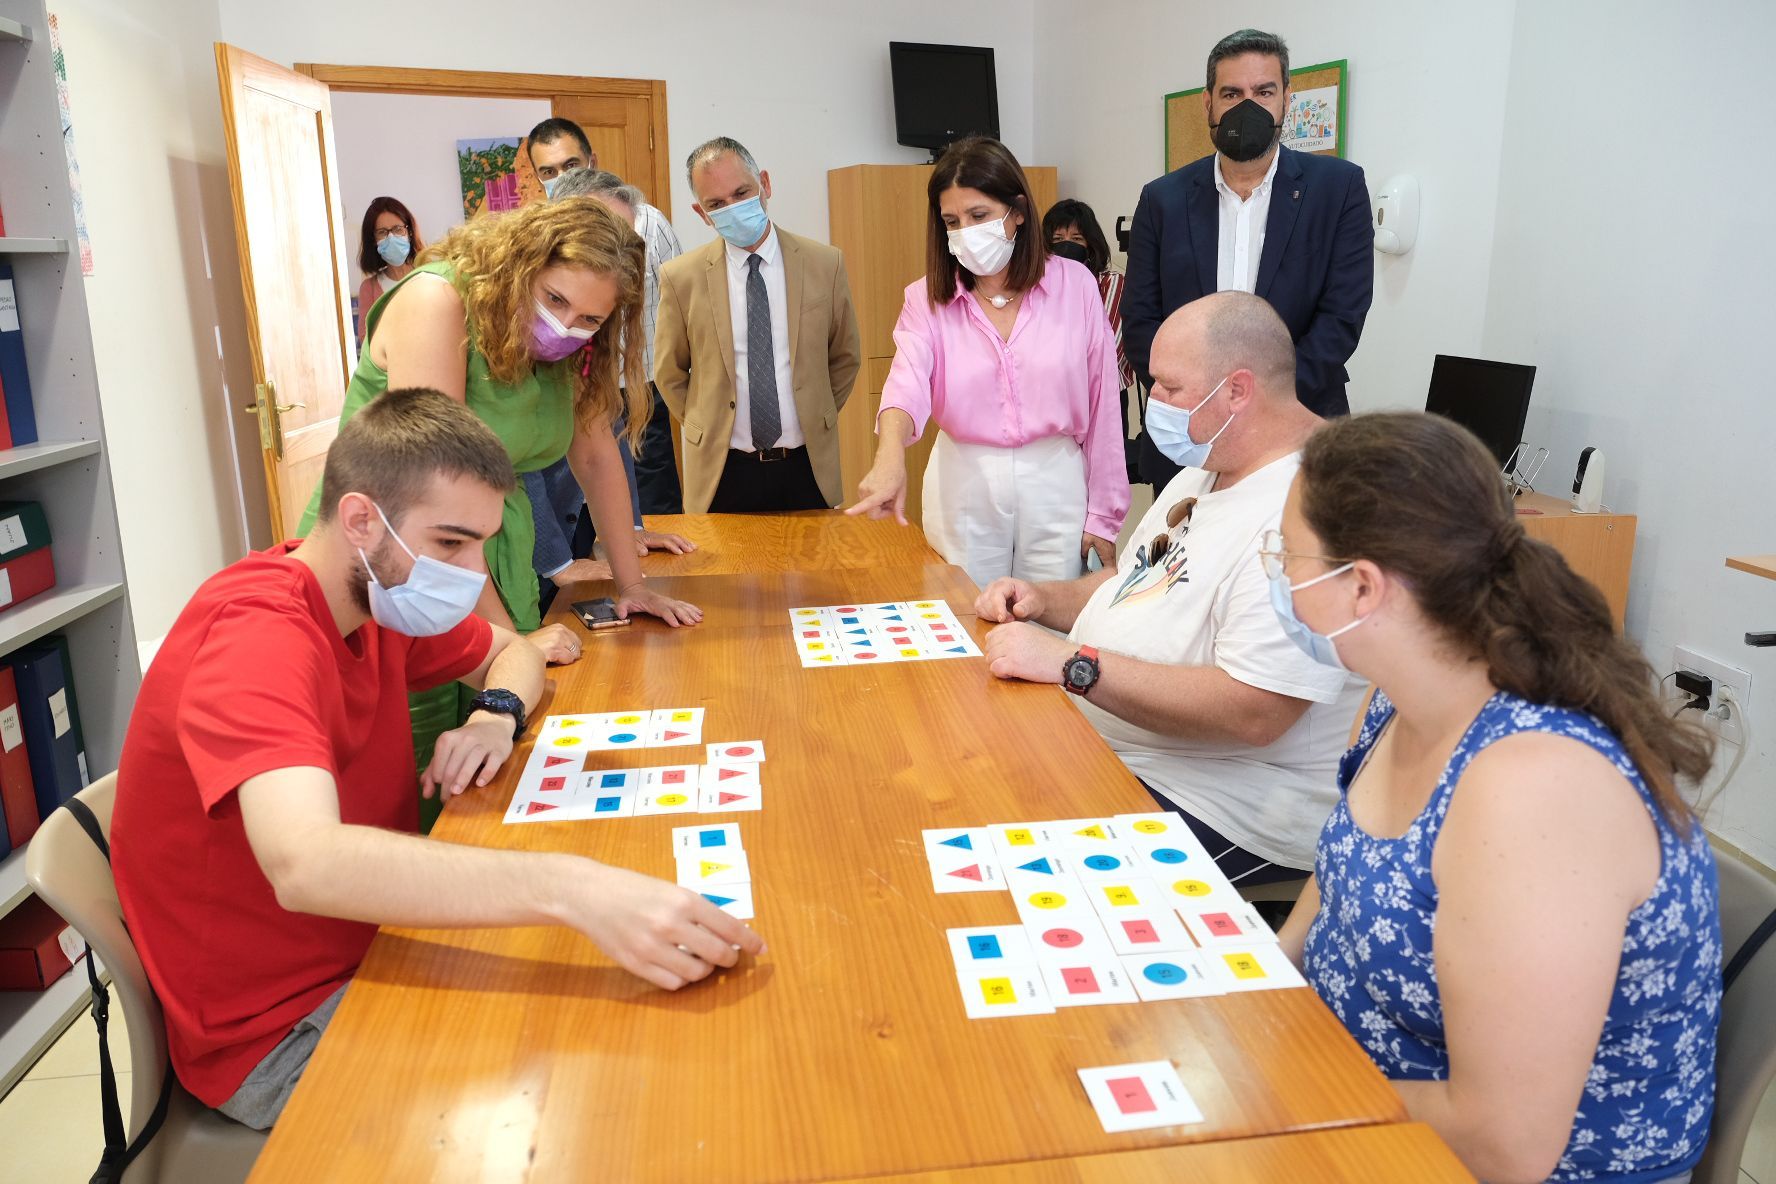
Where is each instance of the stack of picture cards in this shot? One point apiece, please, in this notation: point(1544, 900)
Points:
point(712, 861)
point(563, 781)
point(1110, 910)
point(874, 634)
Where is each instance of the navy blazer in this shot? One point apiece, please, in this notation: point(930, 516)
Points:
point(1317, 270)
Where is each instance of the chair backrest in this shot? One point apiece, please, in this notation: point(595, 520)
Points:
point(72, 876)
point(1746, 1062)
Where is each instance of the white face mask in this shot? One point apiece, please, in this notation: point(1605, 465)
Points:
point(436, 598)
point(983, 248)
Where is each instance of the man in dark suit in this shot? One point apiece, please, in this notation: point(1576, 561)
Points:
point(1256, 217)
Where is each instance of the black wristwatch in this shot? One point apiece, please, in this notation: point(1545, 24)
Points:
point(504, 702)
point(1080, 674)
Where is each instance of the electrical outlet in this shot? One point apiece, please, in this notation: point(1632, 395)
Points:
point(1730, 679)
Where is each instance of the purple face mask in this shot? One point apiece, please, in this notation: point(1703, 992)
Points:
point(550, 340)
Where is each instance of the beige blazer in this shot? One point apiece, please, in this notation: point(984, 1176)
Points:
point(694, 357)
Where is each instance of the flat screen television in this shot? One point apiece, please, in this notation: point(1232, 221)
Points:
point(1490, 399)
point(942, 93)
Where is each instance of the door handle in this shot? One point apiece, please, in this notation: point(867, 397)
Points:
point(271, 427)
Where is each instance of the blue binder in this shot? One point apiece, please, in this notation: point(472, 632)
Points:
point(47, 714)
point(13, 376)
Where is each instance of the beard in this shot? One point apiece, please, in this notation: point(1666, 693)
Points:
point(360, 578)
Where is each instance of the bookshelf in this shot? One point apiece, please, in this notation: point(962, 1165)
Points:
point(68, 471)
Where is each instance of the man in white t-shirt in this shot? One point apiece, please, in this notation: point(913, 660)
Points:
point(1176, 654)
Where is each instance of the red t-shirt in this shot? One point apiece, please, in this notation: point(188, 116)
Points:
point(255, 677)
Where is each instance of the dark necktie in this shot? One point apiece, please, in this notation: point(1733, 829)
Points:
point(761, 366)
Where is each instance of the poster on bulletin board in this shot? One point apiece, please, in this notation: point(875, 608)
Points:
point(1319, 99)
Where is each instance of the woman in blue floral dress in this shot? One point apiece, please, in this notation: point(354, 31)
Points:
point(1513, 910)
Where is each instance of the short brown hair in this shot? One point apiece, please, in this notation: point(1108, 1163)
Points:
point(399, 441)
point(983, 163)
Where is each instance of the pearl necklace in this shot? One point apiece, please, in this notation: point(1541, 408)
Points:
point(1001, 300)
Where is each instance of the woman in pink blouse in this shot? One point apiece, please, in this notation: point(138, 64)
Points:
point(1009, 353)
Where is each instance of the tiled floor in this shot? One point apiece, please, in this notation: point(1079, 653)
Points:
point(50, 1127)
point(49, 1123)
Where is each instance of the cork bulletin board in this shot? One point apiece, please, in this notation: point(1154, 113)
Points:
point(1318, 99)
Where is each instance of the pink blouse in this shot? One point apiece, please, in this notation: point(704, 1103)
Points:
point(1055, 377)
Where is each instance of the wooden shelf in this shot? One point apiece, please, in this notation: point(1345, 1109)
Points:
point(1757, 565)
point(30, 1021)
point(28, 458)
point(11, 30)
point(47, 613)
point(33, 246)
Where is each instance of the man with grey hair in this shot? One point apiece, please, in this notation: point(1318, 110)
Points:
point(757, 349)
point(1254, 216)
point(1175, 654)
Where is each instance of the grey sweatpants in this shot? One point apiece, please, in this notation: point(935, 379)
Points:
point(261, 1097)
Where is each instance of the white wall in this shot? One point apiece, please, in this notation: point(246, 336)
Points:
point(1631, 264)
point(1105, 129)
point(165, 296)
point(404, 146)
point(802, 83)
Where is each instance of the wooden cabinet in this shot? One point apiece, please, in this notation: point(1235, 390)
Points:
point(877, 214)
point(1599, 547)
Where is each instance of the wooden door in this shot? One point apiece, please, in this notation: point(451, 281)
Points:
point(621, 130)
point(278, 126)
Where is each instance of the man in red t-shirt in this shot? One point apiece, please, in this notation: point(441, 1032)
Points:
point(265, 819)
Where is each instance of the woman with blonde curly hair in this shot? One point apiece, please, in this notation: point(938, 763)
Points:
point(524, 316)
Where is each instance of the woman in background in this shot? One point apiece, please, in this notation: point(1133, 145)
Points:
point(1009, 353)
point(387, 246)
point(1513, 910)
point(1071, 230)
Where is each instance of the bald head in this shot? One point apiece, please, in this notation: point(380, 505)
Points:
point(1210, 338)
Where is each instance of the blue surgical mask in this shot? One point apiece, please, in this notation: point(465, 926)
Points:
point(1169, 429)
point(394, 249)
point(436, 598)
point(742, 223)
point(1317, 646)
point(549, 186)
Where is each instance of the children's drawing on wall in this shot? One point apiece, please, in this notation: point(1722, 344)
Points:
point(1311, 124)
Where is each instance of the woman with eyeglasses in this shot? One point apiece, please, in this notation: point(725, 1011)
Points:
point(388, 243)
point(1010, 354)
point(529, 317)
point(1513, 909)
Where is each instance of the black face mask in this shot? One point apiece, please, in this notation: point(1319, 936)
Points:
point(1078, 252)
point(1245, 131)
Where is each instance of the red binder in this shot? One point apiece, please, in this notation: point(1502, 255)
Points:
point(18, 794)
point(29, 575)
point(5, 423)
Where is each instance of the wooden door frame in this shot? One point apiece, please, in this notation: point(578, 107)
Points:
point(498, 85)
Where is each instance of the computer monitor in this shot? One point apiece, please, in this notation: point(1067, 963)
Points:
point(942, 93)
point(1490, 399)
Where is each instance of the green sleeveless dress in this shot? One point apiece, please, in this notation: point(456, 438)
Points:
point(534, 419)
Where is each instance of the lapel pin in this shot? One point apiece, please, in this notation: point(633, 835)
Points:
point(1297, 195)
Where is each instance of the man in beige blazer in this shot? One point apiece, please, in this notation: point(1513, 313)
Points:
point(756, 349)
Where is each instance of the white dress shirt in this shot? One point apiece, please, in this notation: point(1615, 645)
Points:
point(662, 245)
point(1242, 231)
point(770, 252)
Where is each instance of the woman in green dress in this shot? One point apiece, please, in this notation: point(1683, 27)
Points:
point(524, 316)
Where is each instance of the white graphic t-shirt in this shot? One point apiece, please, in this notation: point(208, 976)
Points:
point(1194, 594)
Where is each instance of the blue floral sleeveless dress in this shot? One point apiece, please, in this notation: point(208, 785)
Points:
point(1644, 1114)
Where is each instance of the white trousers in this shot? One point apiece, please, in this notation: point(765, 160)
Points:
point(1007, 511)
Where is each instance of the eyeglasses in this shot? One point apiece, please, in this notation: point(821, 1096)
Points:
point(383, 232)
point(1162, 542)
point(1273, 557)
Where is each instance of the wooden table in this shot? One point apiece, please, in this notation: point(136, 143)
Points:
point(815, 540)
point(1599, 547)
point(525, 1054)
point(1757, 565)
point(1349, 1155)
